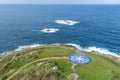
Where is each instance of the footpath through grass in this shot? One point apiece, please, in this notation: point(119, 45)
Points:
point(100, 68)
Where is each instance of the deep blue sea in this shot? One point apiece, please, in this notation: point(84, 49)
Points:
point(99, 26)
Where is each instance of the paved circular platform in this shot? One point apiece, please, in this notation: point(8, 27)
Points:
point(79, 58)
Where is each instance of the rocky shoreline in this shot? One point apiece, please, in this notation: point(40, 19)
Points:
point(109, 56)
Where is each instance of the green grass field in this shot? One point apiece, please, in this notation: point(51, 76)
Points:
point(24, 65)
point(99, 69)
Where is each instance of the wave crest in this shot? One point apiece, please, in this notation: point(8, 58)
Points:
point(22, 47)
point(27, 46)
point(99, 50)
point(87, 49)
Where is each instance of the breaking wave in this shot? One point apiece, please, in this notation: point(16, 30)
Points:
point(22, 47)
point(93, 48)
point(27, 46)
point(87, 49)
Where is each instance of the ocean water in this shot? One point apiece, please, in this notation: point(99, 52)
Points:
point(99, 27)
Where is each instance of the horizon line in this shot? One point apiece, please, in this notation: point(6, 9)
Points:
point(53, 4)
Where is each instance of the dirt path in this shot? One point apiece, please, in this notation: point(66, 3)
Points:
point(34, 62)
point(3, 56)
point(7, 63)
point(75, 75)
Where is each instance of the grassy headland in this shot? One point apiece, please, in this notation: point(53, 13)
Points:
point(50, 62)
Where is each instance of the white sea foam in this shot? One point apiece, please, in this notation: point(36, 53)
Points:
point(66, 22)
point(88, 49)
point(22, 47)
point(49, 30)
point(75, 45)
point(27, 46)
point(99, 50)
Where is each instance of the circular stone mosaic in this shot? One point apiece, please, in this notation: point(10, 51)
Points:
point(79, 59)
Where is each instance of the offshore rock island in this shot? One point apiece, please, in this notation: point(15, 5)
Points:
point(49, 30)
point(66, 22)
point(51, 62)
